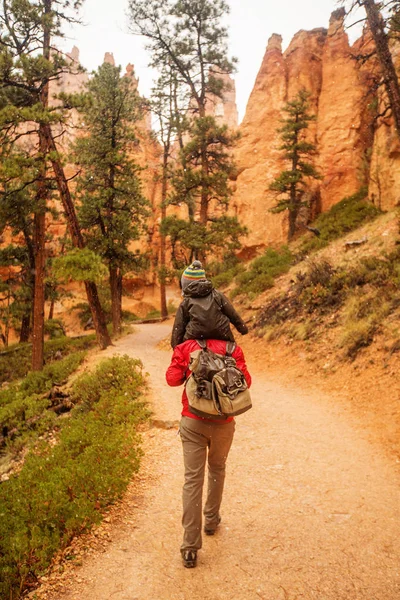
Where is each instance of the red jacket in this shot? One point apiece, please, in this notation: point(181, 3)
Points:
point(178, 371)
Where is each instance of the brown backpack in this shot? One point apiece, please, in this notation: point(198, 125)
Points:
point(216, 388)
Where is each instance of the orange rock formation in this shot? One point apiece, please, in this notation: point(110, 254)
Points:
point(352, 147)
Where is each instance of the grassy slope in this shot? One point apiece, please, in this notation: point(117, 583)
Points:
point(312, 346)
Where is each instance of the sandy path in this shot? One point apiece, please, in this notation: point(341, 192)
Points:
point(311, 508)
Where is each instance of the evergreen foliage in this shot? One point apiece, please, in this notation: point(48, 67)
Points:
point(210, 142)
point(15, 362)
point(345, 216)
point(63, 490)
point(191, 238)
point(187, 40)
point(170, 123)
point(262, 272)
point(27, 67)
point(382, 19)
point(111, 205)
point(291, 183)
point(79, 265)
point(17, 207)
point(23, 406)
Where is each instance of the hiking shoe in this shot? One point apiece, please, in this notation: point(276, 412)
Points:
point(209, 531)
point(189, 558)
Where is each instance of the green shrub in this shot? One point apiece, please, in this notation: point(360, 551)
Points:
point(223, 273)
point(54, 328)
point(153, 314)
point(16, 362)
point(362, 315)
point(343, 217)
point(273, 332)
point(224, 278)
point(301, 331)
point(64, 346)
point(128, 316)
point(116, 373)
point(38, 382)
point(355, 335)
point(322, 286)
point(62, 490)
point(262, 272)
point(84, 312)
point(171, 307)
point(23, 407)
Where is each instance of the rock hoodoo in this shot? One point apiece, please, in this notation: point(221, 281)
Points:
point(353, 148)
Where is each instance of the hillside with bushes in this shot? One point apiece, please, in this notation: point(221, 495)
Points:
point(324, 312)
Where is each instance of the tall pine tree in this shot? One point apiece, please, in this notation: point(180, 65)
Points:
point(28, 65)
point(111, 205)
point(292, 182)
point(384, 23)
point(188, 36)
point(169, 130)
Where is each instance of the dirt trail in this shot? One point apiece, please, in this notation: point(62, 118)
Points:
point(311, 508)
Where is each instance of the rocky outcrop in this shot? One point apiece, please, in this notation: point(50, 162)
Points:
point(354, 147)
point(384, 174)
point(258, 155)
point(342, 129)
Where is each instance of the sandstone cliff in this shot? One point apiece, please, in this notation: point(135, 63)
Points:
point(342, 136)
point(353, 147)
point(257, 155)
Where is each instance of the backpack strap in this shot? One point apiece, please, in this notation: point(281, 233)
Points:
point(202, 344)
point(230, 348)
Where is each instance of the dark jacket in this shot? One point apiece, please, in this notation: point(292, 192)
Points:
point(205, 313)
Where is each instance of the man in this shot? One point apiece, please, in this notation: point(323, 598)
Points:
point(201, 437)
point(204, 313)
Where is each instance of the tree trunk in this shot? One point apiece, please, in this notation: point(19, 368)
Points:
point(204, 198)
point(176, 111)
point(377, 27)
point(38, 296)
point(25, 328)
point(99, 320)
point(204, 176)
point(163, 295)
point(116, 298)
point(27, 319)
point(6, 335)
point(40, 216)
point(293, 201)
point(292, 223)
point(51, 309)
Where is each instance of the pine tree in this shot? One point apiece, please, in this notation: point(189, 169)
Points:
point(28, 64)
point(291, 183)
point(383, 22)
point(169, 129)
point(210, 144)
point(111, 205)
point(17, 208)
point(189, 38)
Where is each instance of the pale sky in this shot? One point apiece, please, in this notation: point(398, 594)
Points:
point(251, 23)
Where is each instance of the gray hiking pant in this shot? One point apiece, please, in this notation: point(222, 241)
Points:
point(198, 437)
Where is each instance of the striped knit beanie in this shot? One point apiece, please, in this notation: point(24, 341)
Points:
point(192, 273)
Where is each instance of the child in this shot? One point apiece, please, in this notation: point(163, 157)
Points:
point(204, 313)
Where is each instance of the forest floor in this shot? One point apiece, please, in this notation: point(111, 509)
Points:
point(311, 505)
